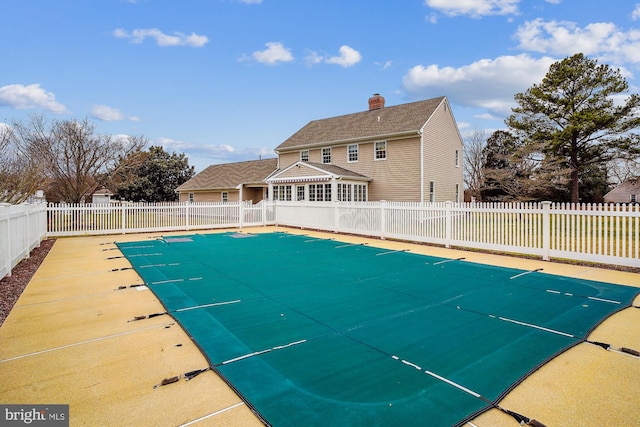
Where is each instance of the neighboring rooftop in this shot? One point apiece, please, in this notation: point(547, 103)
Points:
point(229, 175)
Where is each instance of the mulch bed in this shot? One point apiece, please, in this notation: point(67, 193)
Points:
point(11, 287)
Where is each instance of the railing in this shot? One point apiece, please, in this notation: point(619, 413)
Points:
point(608, 234)
point(22, 228)
point(88, 219)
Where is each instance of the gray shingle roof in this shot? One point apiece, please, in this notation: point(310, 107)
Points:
point(229, 175)
point(397, 119)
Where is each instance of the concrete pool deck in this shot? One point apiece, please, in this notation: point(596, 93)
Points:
point(69, 340)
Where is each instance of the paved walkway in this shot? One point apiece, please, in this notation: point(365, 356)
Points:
point(68, 340)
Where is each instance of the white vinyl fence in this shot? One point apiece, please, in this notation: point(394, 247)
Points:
point(608, 234)
point(87, 219)
point(22, 228)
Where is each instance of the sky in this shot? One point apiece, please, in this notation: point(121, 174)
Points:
point(229, 80)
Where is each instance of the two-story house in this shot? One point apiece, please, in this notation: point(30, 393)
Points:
point(407, 152)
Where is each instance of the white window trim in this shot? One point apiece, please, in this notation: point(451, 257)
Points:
point(304, 151)
point(357, 153)
point(191, 197)
point(375, 151)
point(457, 158)
point(322, 155)
point(224, 196)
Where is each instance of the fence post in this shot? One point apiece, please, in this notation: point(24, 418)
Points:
point(447, 224)
point(383, 218)
point(7, 250)
point(546, 230)
point(186, 214)
point(240, 214)
point(124, 218)
point(336, 217)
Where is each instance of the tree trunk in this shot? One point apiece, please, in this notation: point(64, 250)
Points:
point(575, 186)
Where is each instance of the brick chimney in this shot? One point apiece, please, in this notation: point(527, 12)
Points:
point(376, 102)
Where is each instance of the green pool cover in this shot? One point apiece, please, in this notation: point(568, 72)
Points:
point(319, 332)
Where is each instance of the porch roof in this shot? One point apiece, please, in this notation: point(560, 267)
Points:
point(309, 171)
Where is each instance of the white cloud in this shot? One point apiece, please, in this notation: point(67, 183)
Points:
point(203, 155)
point(603, 39)
point(474, 8)
point(274, 53)
point(384, 65)
point(488, 83)
point(204, 150)
point(313, 58)
point(636, 12)
point(110, 114)
point(137, 36)
point(347, 58)
point(29, 97)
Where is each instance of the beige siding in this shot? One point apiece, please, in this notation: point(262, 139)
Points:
point(287, 159)
point(210, 196)
point(300, 172)
point(441, 140)
point(396, 178)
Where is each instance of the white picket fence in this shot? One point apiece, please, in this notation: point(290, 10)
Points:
point(608, 234)
point(87, 219)
point(22, 228)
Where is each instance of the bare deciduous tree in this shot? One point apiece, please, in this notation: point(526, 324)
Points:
point(21, 175)
point(73, 156)
point(474, 161)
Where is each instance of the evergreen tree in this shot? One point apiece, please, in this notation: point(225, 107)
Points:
point(571, 118)
point(156, 176)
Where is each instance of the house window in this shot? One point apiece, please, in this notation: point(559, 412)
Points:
point(326, 155)
point(342, 192)
point(300, 192)
point(352, 192)
point(191, 197)
point(432, 191)
point(352, 153)
point(319, 192)
point(457, 158)
point(457, 193)
point(634, 198)
point(304, 155)
point(381, 150)
point(327, 192)
point(362, 193)
point(282, 192)
point(224, 196)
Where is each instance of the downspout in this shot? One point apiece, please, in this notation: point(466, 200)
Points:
point(421, 163)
